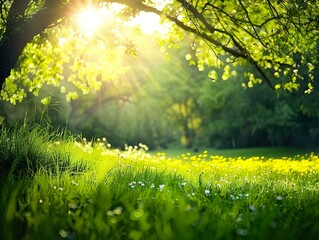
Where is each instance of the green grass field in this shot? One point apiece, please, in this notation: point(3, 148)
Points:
point(274, 152)
point(55, 186)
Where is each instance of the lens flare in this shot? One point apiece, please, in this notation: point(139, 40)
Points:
point(89, 20)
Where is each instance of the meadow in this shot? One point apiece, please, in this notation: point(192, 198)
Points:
point(59, 186)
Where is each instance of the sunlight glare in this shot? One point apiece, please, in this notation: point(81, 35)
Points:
point(90, 20)
point(149, 23)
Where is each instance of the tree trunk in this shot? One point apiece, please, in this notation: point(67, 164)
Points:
point(10, 48)
point(7, 59)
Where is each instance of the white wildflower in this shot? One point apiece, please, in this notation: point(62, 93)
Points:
point(161, 187)
point(279, 198)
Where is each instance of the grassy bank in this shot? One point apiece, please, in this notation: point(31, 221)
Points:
point(55, 186)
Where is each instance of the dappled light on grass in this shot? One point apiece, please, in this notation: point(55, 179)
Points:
point(81, 189)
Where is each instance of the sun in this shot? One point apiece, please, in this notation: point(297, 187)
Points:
point(89, 20)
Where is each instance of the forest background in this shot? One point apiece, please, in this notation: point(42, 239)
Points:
point(161, 101)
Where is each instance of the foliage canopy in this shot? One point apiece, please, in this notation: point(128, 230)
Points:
point(278, 38)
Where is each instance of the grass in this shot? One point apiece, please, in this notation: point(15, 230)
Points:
point(55, 186)
point(273, 152)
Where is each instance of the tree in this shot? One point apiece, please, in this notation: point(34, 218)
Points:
point(174, 89)
point(162, 103)
point(21, 22)
point(276, 38)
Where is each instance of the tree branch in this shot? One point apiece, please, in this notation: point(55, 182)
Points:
point(243, 52)
point(21, 30)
